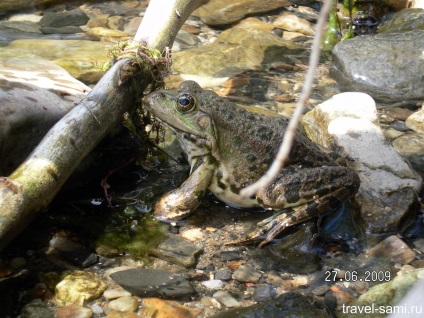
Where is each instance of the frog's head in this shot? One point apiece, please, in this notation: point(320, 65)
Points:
point(180, 109)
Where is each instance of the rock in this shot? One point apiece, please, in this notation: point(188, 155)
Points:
point(223, 274)
point(254, 23)
point(75, 56)
point(20, 26)
point(416, 121)
point(115, 293)
point(226, 299)
point(348, 120)
point(36, 309)
point(404, 20)
point(290, 22)
point(235, 50)
point(320, 290)
point(219, 12)
point(213, 283)
point(246, 274)
point(63, 19)
point(230, 255)
point(264, 293)
point(177, 250)
point(124, 304)
point(62, 30)
point(184, 41)
point(192, 235)
point(77, 287)
point(73, 311)
point(413, 299)
point(411, 147)
point(395, 249)
point(158, 308)
point(30, 17)
point(419, 244)
point(98, 33)
point(388, 294)
point(357, 65)
point(118, 314)
point(153, 283)
point(64, 244)
point(286, 305)
point(35, 96)
point(132, 27)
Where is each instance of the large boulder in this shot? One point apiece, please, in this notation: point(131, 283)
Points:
point(389, 67)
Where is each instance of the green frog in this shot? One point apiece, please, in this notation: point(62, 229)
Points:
point(229, 148)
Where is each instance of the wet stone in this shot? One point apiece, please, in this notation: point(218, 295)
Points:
point(419, 244)
point(226, 299)
point(124, 304)
point(223, 274)
point(153, 283)
point(178, 251)
point(394, 248)
point(320, 290)
point(230, 255)
point(73, 311)
point(213, 283)
point(246, 274)
point(115, 293)
point(264, 293)
point(36, 309)
point(63, 19)
point(81, 258)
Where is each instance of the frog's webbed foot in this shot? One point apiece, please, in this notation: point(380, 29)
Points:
point(267, 231)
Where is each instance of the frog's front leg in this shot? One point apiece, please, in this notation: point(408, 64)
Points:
point(307, 192)
point(180, 202)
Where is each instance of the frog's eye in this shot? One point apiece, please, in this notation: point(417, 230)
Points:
point(185, 102)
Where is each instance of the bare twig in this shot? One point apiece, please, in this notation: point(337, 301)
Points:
point(283, 152)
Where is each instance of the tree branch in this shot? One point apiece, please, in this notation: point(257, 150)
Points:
point(283, 152)
point(32, 186)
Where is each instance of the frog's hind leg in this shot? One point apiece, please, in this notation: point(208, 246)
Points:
point(303, 195)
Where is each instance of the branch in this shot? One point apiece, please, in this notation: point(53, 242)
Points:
point(33, 185)
point(285, 147)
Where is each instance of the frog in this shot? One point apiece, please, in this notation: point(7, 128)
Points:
point(229, 148)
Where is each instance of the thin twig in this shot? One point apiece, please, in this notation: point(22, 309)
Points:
point(283, 152)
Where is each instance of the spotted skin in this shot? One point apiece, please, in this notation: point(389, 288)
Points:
point(229, 148)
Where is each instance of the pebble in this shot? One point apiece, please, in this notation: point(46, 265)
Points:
point(320, 290)
point(77, 287)
point(115, 293)
point(223, 274)
point(73, 311)
point(246, 274)
point(124, 304)
point(226, 299)
point(177, 250)
point(153, 283)
point(395, 249)
point(213, 283)
point(264, 293)
point(419, 244)
point(36, 309)
point(230, 255)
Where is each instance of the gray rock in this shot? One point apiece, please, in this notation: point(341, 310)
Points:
point(153, 283)
point(223, 274)
point(36, 309)
point(264, 293)
point(388, 184)
point(124, 304)
point(226, 299)
point(178, 251)
point(62, 30)
point(404, 20)
point(20, 26)
point(389, 67)
point(230, 255)
point(246, 274)
point(62, 19)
